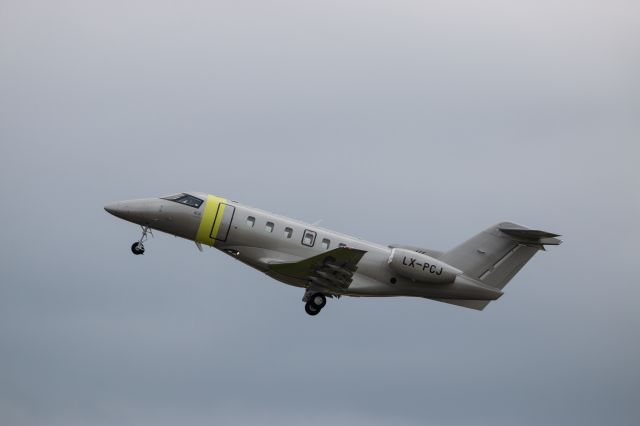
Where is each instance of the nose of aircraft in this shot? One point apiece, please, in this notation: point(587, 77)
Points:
point(142, 211)
point(114, 208)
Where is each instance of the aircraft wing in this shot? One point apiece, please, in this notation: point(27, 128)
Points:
point(331, 270)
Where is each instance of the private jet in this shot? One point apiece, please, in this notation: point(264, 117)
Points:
point(329, 264)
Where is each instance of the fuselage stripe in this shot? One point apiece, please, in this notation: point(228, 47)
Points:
point(208, 230)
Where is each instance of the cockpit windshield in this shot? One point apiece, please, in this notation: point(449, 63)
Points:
point(186, 199)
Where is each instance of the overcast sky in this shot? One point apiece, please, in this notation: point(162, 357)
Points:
point(397, 121)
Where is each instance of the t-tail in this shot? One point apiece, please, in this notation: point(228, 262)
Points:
point(495, 256)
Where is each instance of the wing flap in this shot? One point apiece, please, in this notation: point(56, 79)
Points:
point(478, 305)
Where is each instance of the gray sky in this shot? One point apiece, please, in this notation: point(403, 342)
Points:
point(397, 121)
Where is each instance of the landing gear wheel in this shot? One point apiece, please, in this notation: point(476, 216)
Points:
point(137, 248)
point(317, 300)
point(310, 309)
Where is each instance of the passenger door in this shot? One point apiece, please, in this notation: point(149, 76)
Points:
point(222, 222)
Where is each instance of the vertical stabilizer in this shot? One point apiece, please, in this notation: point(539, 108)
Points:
point(496, 255)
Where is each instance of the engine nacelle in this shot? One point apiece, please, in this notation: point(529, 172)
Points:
point(420, 267)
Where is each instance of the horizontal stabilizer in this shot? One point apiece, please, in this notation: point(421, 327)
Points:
point(531, 236)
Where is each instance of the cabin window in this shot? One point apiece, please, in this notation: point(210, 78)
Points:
point(309, 238)
point(288, 232)
point(251, 221)
point(269, 227)
point(325, 243)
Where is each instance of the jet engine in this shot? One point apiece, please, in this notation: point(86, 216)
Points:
point(420, 267)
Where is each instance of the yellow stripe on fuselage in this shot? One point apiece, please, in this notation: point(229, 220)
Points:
point(208, 231)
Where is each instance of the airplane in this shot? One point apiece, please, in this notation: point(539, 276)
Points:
point(329, 264)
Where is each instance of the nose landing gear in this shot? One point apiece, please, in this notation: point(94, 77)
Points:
point(137, 248)
point(315, 303)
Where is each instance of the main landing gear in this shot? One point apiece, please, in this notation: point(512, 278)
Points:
point(315, 303)
point(137, 248)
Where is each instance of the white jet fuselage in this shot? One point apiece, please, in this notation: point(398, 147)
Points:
point(326, 262)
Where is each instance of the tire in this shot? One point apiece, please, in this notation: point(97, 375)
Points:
point(317, 300)
point(308, 307)
point(137, 248)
